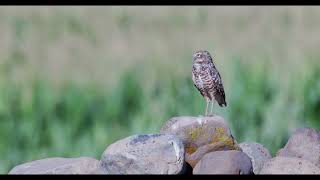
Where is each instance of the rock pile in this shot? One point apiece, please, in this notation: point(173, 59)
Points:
point(201, 135)
point(190, 145)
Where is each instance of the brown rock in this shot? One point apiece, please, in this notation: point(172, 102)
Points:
point(304, 143)
point(201, 135)
point(224, 162)
point(289, 165)
point(257, 153)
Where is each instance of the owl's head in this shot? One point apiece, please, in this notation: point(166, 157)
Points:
point(202, 56)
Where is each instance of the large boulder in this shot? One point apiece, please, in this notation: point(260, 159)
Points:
point(201, 135)
point(224, 162)
point(144, 154)
point(59, 165)
point(289, 165)
point(304, 143)
point(257, 153)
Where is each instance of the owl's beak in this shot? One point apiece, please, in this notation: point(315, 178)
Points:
point(200, 60)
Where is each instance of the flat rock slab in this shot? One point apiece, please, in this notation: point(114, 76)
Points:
point(144, 154)
point(257, 153)
point(201, 135)
point(59, 165)
point(303, 143)
point(289, 165)
point(224, 162)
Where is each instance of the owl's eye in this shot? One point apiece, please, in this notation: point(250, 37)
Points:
point(198, 55)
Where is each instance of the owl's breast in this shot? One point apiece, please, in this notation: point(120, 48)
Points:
point(197, 67)
point(200, 68)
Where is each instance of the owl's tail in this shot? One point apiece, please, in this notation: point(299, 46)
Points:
point(220, 98)
point(222, 104)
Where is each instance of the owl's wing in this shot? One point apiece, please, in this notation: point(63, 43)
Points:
point(219, 95)
point(197, 85)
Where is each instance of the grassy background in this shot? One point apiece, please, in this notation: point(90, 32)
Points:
point(75, 79)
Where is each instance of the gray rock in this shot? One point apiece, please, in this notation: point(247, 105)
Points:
point(224, 162)
point(289, 165)
point(201, 135)
point(144, 154)
point(59, 165)
point(257, 153)
point(304, 143)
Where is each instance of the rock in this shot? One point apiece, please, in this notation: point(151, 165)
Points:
point(201, 135)
point(144, 154)
point(289, 165)
point(224, 162)
point(304, 143)
point(59, 165)
point(257, 153)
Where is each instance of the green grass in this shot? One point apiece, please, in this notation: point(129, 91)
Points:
point(74, 81)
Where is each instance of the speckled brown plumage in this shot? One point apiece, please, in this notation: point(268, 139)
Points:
point(207, 79)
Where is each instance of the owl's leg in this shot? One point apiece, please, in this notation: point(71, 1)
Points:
point(206, 113)
point(211, 109)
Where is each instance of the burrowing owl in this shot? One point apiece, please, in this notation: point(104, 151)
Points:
point(207, 80)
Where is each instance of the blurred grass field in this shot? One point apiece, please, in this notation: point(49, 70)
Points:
point(75, 79)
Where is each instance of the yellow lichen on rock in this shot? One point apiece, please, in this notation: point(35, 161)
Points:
point(220, 135)
point(190, 149)
point(194, 133)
